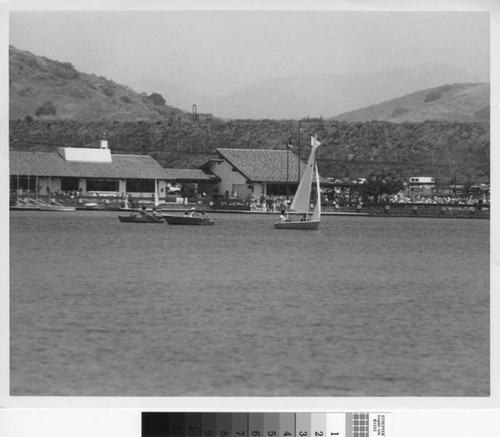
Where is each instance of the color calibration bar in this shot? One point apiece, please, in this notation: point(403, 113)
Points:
point(161, 424)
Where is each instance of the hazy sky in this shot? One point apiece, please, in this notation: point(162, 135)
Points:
point(215, 52)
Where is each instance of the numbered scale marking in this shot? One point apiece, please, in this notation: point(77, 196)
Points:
point(162, 424)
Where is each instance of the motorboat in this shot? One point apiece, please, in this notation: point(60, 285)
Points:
point(192, 218)
point(140, 218)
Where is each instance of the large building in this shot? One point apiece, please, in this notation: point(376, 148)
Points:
point(95, 171)
point(252, 172)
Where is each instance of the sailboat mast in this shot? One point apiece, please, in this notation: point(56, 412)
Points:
point(287, 168)
point(299, 155)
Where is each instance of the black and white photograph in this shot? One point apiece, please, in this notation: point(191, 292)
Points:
point(260, 202)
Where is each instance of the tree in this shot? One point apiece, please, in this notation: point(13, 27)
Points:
point(107, 88)
point(432, 95)
point(157, 99)
point(47, 108)
point(381, 184)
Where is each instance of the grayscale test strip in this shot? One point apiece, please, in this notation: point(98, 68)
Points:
point(355, 424)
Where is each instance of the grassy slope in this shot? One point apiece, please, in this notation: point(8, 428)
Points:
point(457, 102)
point(76, 96)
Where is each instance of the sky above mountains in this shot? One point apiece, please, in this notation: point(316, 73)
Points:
point(219, 52)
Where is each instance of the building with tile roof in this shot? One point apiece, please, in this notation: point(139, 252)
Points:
point(252, 172)
point(193, 176)
point(95, 171)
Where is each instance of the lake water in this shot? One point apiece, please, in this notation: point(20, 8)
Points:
point(362, 307)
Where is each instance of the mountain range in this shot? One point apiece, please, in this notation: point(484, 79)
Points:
point(51, 89)
point(311, 95)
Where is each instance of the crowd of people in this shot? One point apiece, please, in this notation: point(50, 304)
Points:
point(267, 203)
point(439, 199)
point(335, 198)
point(345, 198)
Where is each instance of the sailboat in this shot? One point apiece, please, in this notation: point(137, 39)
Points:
point(310, 220)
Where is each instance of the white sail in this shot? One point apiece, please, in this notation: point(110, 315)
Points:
point(302, 197)
point(317, 208)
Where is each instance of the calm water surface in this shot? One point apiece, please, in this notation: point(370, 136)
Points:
point(362, 307)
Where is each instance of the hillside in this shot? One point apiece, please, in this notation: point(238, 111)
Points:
point(42, 88)
point(465, 102)
point(49, 89)
point(349, 150)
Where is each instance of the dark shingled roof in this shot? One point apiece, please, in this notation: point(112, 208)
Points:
point(52, 164)
point(189, 175)
point(261, 165)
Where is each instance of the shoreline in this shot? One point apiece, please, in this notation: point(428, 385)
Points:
point(376, 210)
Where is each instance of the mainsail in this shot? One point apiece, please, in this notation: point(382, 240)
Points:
point(302, 198)
point(317, 208)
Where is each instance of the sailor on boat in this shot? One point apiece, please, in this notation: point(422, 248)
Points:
point(141, 212)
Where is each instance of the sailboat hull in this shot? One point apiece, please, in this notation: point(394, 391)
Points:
point(312, 225)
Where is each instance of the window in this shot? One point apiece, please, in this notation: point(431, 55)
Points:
point(140, 186)
point(102, 185)
point(69, 184)
point(280, 189)
point(23, 182)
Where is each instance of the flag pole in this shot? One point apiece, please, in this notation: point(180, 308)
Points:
point(299, 155)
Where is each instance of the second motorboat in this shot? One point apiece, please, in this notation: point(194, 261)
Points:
point(194, 217)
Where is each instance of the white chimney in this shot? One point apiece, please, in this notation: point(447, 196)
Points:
point(104, 144)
